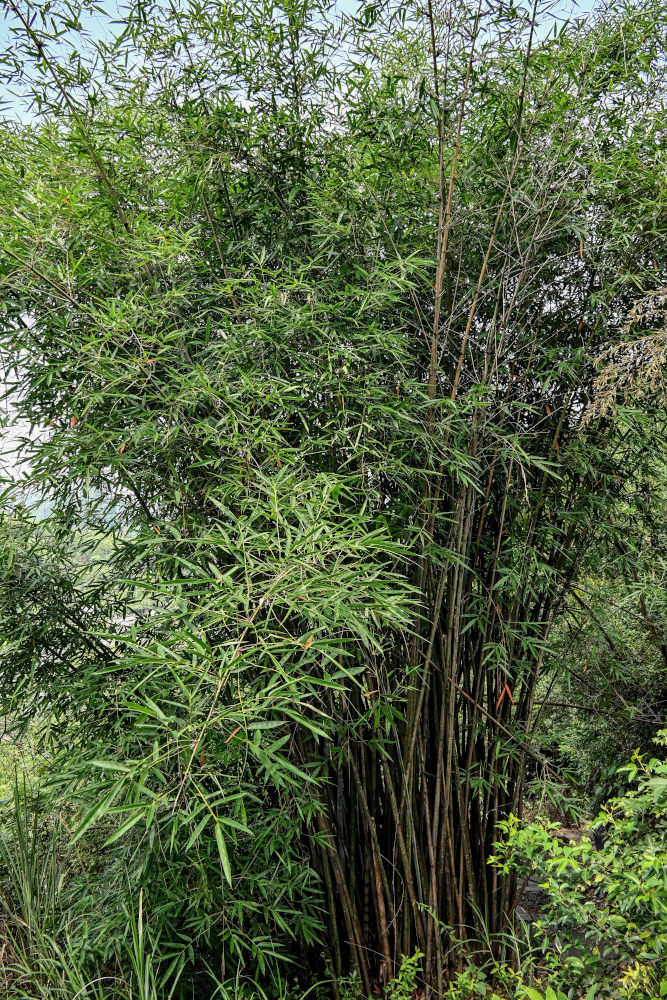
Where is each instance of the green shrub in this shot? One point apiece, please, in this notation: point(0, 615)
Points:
point(605, 920)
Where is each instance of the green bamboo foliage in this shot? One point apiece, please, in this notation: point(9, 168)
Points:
point(302, 311)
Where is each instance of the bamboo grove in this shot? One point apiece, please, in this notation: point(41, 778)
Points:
point(301, 314)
